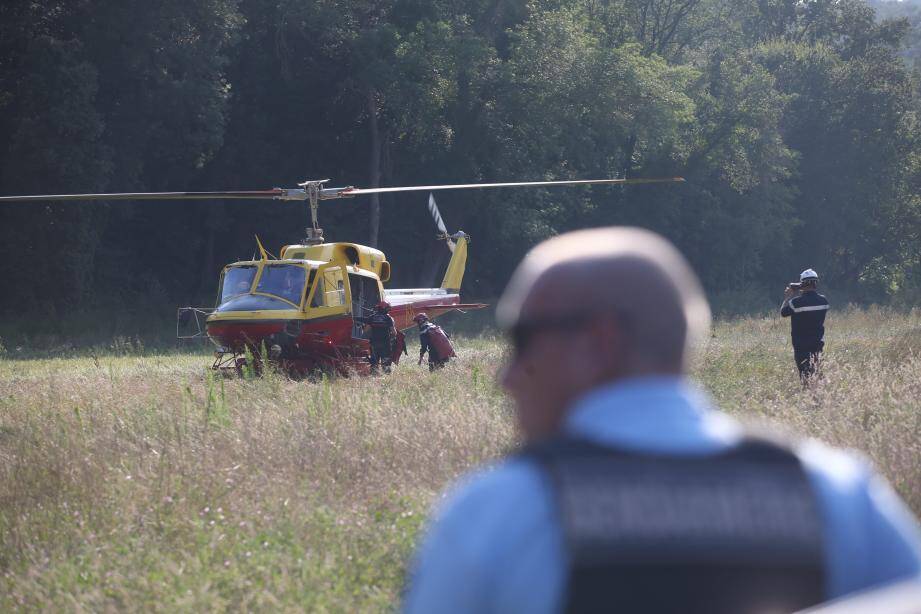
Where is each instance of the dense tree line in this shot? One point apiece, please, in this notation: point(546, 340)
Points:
point(909, 10)
point(795, 124)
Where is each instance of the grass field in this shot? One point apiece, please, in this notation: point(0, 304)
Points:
point(140, 482)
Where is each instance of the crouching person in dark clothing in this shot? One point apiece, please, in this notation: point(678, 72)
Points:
point(434, 340)
point(382, 334)
point(806, 309)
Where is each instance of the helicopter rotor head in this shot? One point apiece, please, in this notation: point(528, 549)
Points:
point(317, 182)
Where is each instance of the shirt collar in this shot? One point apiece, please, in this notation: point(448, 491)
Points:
point(658, 414)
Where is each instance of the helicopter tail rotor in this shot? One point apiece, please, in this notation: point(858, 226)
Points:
point(451, 240)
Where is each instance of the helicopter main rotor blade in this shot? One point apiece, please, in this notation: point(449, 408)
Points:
point(275, 193)
point(289, 194)
point(350, 191)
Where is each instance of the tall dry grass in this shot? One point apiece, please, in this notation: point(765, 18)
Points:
point(868, 396)
point(143, 483)
point(138, 483)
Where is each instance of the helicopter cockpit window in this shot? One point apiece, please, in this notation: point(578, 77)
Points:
point(237, 280)
point(283, 280)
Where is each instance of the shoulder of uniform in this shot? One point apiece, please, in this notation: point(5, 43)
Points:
point(508, 483)
point(818, 299)
point(496, 509)
point(841, 470)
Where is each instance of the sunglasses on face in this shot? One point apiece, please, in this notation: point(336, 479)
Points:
point(522, 333)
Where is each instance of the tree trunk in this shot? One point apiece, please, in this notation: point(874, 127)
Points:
point(628, 156)
point(210, 273)
point(374, 167)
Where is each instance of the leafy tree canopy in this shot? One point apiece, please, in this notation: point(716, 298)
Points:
point(795, 123)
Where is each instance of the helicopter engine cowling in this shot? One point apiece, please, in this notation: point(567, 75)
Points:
point(350, 254)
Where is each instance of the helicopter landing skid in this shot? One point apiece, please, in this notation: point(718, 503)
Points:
point(229, 363)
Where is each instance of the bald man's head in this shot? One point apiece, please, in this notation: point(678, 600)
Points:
point(633, 273)
point(594, 306)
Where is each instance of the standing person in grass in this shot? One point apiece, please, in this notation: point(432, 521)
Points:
point(633, 492)
point(383, 333)
point(806, 309)
point(434, 340)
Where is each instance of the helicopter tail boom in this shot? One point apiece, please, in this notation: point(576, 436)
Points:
point(458, 263)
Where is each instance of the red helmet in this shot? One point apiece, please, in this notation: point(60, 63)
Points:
point(383, 306)
point(420, 317)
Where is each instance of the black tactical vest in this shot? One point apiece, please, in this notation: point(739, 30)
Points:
point(734, 532)
point(381, 326)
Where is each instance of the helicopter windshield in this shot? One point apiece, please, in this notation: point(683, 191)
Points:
point(237, 280)
point(283, 280)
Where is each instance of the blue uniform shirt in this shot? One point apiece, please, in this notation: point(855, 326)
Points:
point(494, 545)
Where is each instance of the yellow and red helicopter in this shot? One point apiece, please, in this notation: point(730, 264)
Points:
point(299, 310)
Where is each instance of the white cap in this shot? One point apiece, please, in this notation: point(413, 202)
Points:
point(808, 274)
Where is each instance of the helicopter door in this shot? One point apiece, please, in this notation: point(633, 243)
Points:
point(365, 295)
point(329, 294)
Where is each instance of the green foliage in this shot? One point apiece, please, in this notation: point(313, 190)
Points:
point(852, 123)
point(795, 124)
point(904, 14)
